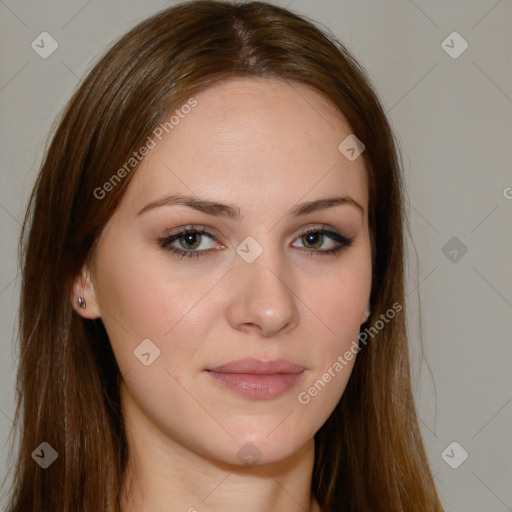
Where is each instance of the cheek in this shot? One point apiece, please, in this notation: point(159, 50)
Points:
point(338, 305)
point(149, 296)
point(341, 300)
point(134, 296)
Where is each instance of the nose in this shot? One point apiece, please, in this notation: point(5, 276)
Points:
point(262, 298)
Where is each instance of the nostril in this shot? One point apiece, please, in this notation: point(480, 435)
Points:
point(249, 326)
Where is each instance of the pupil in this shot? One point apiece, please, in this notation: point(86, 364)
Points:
point(190, 239)
point(311, 237)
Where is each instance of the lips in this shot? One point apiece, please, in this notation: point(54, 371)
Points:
point(258, 380)
point(257, 367)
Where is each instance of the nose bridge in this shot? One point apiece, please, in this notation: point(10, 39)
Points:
point(263, 298)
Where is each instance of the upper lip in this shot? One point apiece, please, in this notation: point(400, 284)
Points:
point(258, 367)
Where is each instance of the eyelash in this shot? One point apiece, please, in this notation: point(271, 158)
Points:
point(165, 242)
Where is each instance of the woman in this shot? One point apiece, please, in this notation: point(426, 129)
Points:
point(212, 312)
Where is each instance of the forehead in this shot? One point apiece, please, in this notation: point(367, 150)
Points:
point(264, 139)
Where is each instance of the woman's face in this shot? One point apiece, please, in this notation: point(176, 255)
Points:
point(255, 286)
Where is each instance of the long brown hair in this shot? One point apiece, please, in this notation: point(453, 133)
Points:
point(369, 454)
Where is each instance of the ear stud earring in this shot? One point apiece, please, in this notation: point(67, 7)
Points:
point(81, 302)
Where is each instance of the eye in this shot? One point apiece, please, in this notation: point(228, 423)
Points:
point(192, 242)
point(314, 239)
point(188, 240)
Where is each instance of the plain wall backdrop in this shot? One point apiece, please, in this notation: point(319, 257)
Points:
point(443, 71)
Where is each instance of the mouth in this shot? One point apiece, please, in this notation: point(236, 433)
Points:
point(258, 380)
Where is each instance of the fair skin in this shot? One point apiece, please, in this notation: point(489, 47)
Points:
point(265, 147)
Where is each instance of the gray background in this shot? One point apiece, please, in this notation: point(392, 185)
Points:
point(453, 118)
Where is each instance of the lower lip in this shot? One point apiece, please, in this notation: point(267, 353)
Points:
point(258, 387)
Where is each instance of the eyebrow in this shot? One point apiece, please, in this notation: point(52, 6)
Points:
point(232, 211)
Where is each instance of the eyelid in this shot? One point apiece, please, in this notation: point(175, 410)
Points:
point(192, 227)
point(319, 227)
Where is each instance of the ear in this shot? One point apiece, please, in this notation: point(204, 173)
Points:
point(83, 287)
